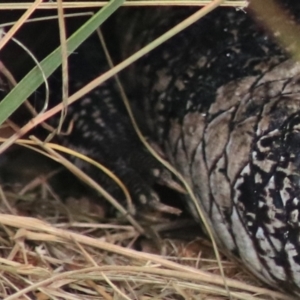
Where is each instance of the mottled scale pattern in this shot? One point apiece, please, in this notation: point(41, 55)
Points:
point(222, 99)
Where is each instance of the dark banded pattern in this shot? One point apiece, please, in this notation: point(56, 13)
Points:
point(222, 100)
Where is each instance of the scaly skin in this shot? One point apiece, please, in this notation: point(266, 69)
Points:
point(223, 101)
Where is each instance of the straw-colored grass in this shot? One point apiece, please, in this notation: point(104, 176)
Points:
point(54, 255)
point(51, 251)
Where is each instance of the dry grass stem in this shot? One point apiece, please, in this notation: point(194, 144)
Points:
point(90, 4)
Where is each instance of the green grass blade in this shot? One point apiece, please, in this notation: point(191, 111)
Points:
point(34, 78)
